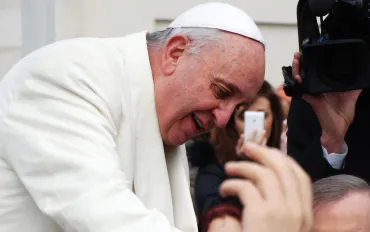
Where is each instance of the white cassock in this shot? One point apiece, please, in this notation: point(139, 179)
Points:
point(80, 146)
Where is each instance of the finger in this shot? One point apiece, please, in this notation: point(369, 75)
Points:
point(240, 141)
point(285, 126)
point(295, 71)
point(295, 67)
point(247, 193)
point(264, 178)
point(262, 138)
point(252, 136)
point(298, 79)
point(297, 55)
point(305, 193)
point(276, 161)
point(264, 142)
point(239, 145)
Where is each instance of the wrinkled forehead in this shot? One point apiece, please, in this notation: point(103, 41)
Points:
point(244, 61)
point(246, 69)
point(237, 59)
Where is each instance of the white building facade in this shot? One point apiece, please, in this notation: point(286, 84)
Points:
point(26, 25)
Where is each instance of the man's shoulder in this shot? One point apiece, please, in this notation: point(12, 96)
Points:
point(75, 64)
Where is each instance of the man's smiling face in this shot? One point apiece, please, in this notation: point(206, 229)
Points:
point(197, 92)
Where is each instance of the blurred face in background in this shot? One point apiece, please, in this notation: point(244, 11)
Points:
point(259, 104)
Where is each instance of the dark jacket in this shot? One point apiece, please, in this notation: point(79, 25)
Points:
point(210, 176)
point(304, 140)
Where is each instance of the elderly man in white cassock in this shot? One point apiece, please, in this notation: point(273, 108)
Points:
point(92, 130)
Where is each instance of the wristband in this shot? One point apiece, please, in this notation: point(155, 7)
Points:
point(220, 211)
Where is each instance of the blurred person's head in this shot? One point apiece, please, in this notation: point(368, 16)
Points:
point(266, 100)
point(341, 204)
point(284, 100)
point(201, 74)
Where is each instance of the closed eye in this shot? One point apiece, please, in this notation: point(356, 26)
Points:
point(220, 91)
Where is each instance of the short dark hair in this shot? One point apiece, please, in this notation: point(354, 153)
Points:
point(335, 188)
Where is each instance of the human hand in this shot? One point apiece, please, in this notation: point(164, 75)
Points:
point(254, 137)
point(283, 138)
point(275, 192)
point(335, 111)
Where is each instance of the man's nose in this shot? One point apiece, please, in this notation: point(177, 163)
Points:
point(222, 114)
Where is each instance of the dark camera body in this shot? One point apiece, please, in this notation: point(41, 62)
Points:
point(337, 59)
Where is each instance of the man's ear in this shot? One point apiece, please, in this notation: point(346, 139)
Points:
point(174, 48)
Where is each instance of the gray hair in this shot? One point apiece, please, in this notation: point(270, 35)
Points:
point(199, 37)
point(335, 188)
